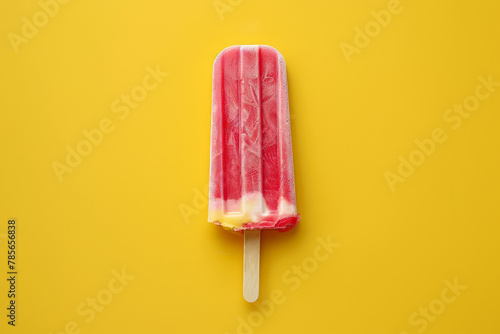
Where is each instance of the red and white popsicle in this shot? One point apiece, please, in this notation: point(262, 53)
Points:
point(252, 185)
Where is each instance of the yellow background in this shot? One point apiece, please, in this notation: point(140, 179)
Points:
point(121, 206)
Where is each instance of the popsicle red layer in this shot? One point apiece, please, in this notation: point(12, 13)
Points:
point(251, 165)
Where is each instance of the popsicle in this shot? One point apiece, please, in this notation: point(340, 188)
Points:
point(252, 185)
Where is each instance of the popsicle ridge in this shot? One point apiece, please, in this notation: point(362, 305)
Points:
point(251, 169)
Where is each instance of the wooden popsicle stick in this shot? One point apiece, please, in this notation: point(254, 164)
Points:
point(251, 263)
